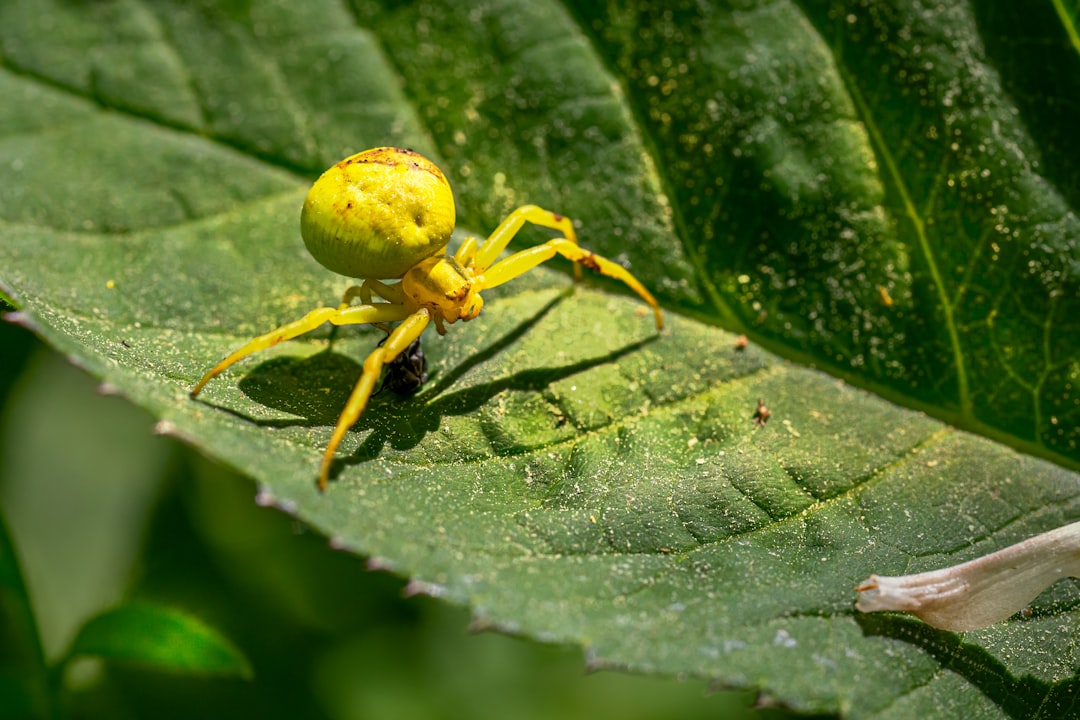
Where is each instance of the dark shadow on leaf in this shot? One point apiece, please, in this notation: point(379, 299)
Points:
point(316, 388)
point(1023, 698)
point(418, 417)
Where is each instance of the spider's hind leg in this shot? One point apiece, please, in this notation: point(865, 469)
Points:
point(365, 291)
point(369, 288)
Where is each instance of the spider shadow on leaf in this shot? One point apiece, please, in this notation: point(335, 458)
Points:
point(425, 412)
point(315, 388)
point(413, 417)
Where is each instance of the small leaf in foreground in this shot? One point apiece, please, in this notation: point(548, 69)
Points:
point(160, 637)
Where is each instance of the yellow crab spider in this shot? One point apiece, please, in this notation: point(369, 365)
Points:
point(387, 214)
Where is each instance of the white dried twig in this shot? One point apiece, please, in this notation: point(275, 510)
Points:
point(983, 591)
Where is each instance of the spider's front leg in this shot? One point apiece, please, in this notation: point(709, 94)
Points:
point(521, 262)
point(481, 260)
point(485, 254)
point(358, 315)
point(397, 342)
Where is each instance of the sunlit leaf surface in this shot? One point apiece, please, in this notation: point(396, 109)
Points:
point(885, 191)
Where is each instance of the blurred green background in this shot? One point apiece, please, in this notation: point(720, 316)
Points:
point(101, 510)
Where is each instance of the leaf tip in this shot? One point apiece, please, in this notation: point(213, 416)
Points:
point(480, 624)
point(264, 497)
point(107, 389)
point(22, 319)
point(376, 563)
point(166, 427)
point(592, 661)
point(420, 587)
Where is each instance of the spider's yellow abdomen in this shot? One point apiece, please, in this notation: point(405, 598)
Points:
point(378, 213)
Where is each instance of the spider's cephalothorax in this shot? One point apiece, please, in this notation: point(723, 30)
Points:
point(449, 291)
point(387, 214)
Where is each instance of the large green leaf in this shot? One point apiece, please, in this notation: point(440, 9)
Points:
point(884, 190)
